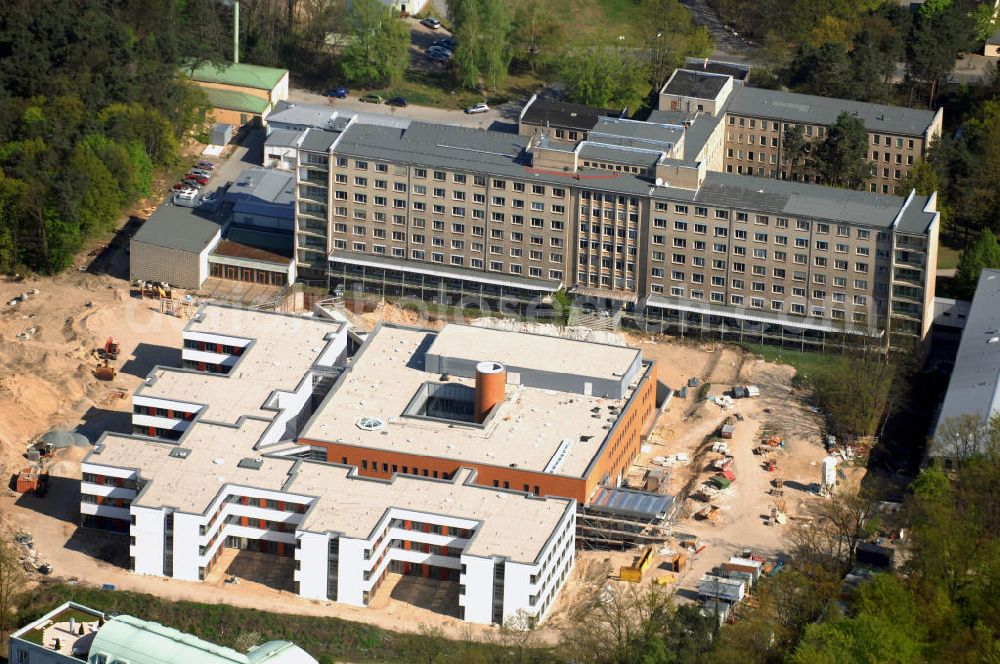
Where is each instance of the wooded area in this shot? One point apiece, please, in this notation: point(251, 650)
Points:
point(90, 105)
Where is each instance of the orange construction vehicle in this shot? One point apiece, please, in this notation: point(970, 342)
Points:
point(111, 349)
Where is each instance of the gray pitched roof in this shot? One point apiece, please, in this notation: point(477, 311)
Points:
point(794, 107)
point(737, 71)
point(503, 154)
point(696, 84)
point(545, 112)
point(797, 199)
point(283, 138)
point(318, 140)
point(177, 227)
point(974, 387)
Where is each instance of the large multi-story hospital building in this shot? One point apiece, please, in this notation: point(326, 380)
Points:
point(687, 218)
point(459, 455)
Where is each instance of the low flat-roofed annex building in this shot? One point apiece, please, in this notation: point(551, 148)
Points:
point(566, 416)
point(211, 465)
point(184, 246)
point(73, 633)
point(974, 386)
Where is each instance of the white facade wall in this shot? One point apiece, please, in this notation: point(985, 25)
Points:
point(147, 552)
point(186, 542)
point(313, 568)
point(336, 347)
point(289, 406)
point(204, 253)
point(350, 573)
point(477, 584)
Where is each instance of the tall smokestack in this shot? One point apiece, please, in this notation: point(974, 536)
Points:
point(236, 32)
point(491, 381)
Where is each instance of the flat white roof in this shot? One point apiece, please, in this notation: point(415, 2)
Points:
point(512, 524)
point(188, 475)
point(538, 351)
point(283, 349)
point(508, 523)
point(190, 483)
point(527, 431)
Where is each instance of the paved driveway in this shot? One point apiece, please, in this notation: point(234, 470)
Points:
point(499, 119)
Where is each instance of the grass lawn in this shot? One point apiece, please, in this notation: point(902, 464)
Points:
point(809, 367)
point(947, 257)
point(438, 88)
point(618, 15)
point(327, 639)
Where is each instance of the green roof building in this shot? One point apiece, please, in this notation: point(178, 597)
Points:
point(241, 75)
point(73, 633)
point(241, 93)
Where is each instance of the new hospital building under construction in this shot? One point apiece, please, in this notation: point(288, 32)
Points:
point(469, 455)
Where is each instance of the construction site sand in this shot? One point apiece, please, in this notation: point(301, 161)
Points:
point(47, 381)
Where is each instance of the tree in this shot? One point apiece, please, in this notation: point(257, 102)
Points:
point(535, 29)
point(824, 71)
point(887, 628)
point(847, 517)
point(602, 76)
point(483, 30)
point(794, 148)
point(967, 437)
point(840, 159)
point(669, 35)
point(11, 583)
point(981, 253)
point(377, 54)
point(940, 32)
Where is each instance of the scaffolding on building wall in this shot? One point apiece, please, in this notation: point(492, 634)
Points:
point(621, 519)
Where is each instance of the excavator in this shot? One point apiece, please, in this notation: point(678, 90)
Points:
point(110, 350)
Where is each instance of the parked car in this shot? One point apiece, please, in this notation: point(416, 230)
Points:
point(179, 185)
point(201, 172)
point(196, 178)
point(431, 23)
point(372, 99)
point(396, 101)
point(191, 184)
point(340, 92)
point(438, 56)
point(481, 107)
point(447, 43)
point(439, 49)
point(205, 165)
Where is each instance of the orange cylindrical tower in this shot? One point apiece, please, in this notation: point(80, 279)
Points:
point(491, 381)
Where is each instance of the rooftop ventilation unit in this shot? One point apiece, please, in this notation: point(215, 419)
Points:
point(252, 464)
point(180, 452)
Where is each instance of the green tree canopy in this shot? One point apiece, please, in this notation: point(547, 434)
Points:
point(484, 32)
point(602, 76)
point(377, 53)
point(981, 253)
point(840, 158)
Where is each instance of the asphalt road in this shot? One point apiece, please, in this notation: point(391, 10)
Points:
point(500, 119)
